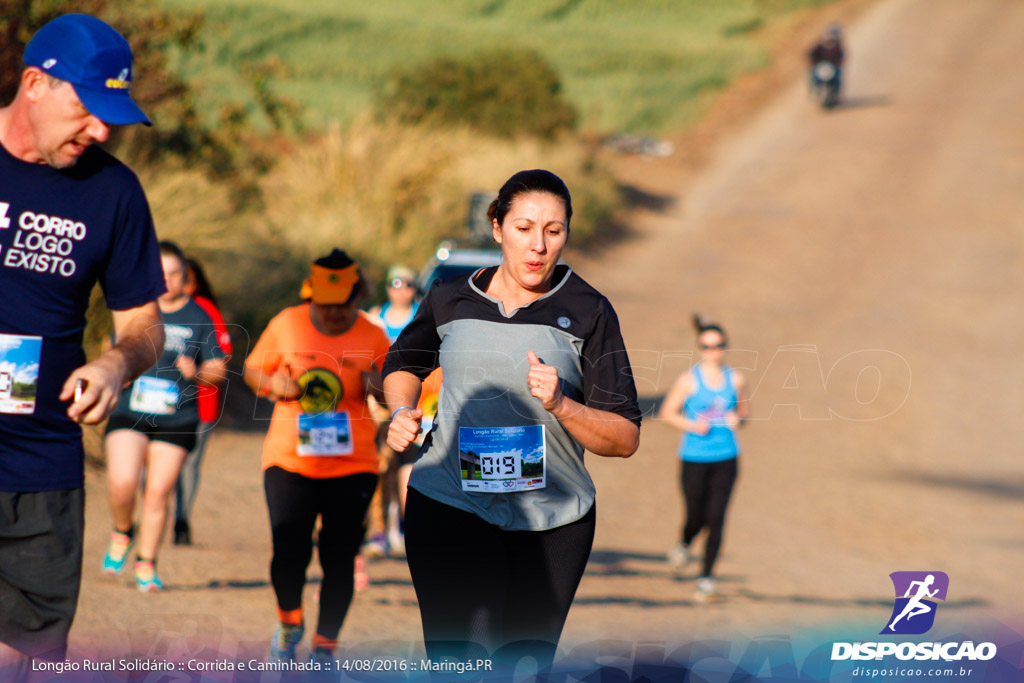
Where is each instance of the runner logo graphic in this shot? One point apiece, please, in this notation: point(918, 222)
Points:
point(916, 593)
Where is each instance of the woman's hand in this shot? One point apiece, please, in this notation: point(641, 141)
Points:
point(544, 383)
point(700, 426)
point(187, 367)
point(405, 427)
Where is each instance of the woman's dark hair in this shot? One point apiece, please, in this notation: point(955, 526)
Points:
point(169, 248)
point(203, 287)
point(537, 180)
point(702, 326)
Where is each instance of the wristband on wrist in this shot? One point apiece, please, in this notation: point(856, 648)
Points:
point(400, 410)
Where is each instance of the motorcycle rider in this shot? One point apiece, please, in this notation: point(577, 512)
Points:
point(828, 49)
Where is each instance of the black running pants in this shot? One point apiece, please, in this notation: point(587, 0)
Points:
point(295, 502)
point(479, 585)
point(706, 489)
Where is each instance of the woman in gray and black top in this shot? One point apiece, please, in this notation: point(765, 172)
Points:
point(500, 516)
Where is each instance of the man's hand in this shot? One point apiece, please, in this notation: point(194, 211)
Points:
point(139, 340)
point(102, 381)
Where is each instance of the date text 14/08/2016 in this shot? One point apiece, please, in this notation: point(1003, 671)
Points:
point(421, 665)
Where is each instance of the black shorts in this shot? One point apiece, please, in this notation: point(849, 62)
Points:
point(40, 568)
point(184, 435)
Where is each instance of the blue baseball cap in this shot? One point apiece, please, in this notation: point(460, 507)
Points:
point(95, 59)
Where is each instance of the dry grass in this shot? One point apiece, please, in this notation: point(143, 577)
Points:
point(382, 191)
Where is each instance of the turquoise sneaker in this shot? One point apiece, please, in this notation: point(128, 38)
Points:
point(282, 645)
point(117, 553)
point(322, 659)
point(146, 579)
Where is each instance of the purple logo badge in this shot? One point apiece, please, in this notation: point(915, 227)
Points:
point(916, 595)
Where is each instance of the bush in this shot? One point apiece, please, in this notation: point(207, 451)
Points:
point(226, 149)
point(503, 93)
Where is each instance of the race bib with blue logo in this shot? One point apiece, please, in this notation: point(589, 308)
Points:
point(154, 396)
point(502, 459)
point(19, 373)
point(325, 434)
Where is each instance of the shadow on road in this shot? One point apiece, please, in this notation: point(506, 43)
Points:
point(636, 198)
point(821, 601)
point(866, 101)
point(630, 601)
point(997, 488)
point(609, 563)
point(221, 584)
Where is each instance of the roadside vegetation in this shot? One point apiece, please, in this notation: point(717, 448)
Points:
point(286, 127)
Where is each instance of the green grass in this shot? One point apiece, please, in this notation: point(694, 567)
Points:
point(633, 65)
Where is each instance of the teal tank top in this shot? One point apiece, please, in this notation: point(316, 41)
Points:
point(394, 330)
point(720, 442)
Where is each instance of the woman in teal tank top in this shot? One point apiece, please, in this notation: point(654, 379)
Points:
point(708, 405)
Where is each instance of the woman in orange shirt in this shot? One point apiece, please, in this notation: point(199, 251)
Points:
point(318, 361)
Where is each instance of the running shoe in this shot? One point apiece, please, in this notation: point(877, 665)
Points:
point(376, 547)
point(706, 590)
point(117, 553)
point(146, 579)
point(396, 542)
point(322, 656)
point(182, 533)
point(679, 556)
point(282, 645)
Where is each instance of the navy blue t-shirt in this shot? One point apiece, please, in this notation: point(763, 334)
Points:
point(162, 397)
point(61, 232)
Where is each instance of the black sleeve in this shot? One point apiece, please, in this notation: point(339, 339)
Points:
point(607, 375)
point(416, 349)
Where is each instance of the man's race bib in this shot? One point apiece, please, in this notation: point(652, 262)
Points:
point(19, 373)
point(154, 396)
point(325, 434)
point(502, 459)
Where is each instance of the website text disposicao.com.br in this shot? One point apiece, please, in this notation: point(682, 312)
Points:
point(900, 672)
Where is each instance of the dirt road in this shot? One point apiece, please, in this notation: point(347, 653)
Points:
point(869, 265)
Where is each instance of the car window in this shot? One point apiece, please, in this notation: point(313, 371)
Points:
point(447, 270)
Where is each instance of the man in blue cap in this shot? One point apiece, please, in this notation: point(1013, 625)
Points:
point(70, 216)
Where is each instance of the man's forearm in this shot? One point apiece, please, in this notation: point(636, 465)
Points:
point(139, 342)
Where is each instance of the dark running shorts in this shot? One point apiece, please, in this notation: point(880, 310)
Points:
point(40, 569)
point(184, 436)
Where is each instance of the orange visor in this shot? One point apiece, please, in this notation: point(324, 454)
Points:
point(330, 286)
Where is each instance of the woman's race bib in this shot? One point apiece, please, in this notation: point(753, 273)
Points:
point(154, 396)
point(502, 459)
point(325, 434)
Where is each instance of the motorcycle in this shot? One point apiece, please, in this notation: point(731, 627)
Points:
point(825, 84)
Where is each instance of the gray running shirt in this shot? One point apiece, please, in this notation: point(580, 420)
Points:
point(483, 355)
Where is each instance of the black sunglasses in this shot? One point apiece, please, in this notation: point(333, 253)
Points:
point(709, 347)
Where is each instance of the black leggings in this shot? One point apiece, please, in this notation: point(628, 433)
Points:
point(479, 585)
point(706, 488)
point(294, 501)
